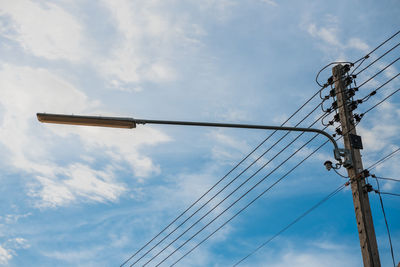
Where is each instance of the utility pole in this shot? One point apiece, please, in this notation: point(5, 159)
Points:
point(355, 170)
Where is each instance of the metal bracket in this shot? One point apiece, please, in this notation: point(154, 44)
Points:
point(345, 153)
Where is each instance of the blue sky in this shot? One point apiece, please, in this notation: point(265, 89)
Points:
point(89, 196)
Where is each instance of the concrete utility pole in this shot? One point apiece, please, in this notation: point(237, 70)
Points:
point(352, 142)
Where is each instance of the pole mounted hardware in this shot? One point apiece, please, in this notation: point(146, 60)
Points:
point(355, 171)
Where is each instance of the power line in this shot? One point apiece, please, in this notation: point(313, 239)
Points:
point(384, 159)
point(337, 190)
point(362, 59)
point(248, 179)
point(384, 42)
point(192, 237)
point(376, 48)
point(373, 62)
point(380, 102)
point(256, 198)
point(218, 182)
point(319, 203)
point(379, 72)
point(231, 170)
point(388, 193)
point(384, 216)
point(330, 64)
point(357, 102)
point(343, 176)
point(377, 89)
point(387, 179)
point(215, 195)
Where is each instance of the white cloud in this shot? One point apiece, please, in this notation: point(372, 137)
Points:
point(327, 34)
point(81, 182)
point(310, 254)
point(26, 91)
point(358, 44)
point(18, 243)
point(383, 131)
point(330, 37)
point(7, 250)
point(14, 218)
point(5, 255)
point(148, 34)
point(270, 2)
point(44, 29)
point(136, 58)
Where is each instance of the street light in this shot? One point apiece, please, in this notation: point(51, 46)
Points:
point(129, 123)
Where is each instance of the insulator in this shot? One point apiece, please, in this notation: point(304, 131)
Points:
point(334, 105)
point(339, 131)
point(348, 81)
point(350, 93)
point(357, 117)
point(368, 188)
point(346, 68)
point(336, 118)
point(332, 92)
point(353, 105)
point(365, 173)
point(330, 80)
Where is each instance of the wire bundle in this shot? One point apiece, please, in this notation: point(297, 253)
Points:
point(155, 249)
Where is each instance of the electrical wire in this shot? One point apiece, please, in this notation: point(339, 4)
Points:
point(362, 100)
point(365, 98)
point(215, 195)
point(219, 181)
point(337, 190)
point(377, 89)
point(379, 72)
point(388, 193)
point(224, 223)
point(343, 176)
point(376, 48)
point(237, 188)
point(390, 155)
point(332, 63)
point(334, 192)
point(387, 179)
point(256, 198)
point(380, 102)
point(362, 59)
point(235, 166)
point(373, 62)
point(384, 216)
point(373, 92)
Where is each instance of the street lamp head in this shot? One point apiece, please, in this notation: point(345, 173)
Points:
point(328, 165)
point(127, 123)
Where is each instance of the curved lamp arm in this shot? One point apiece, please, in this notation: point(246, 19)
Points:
point(129, 123)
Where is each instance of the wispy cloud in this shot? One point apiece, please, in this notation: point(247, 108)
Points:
point(5, 255)
point(28, 90)
point(45, 30)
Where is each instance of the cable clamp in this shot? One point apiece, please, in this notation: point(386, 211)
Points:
point(340, 153)
point(368, 188)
